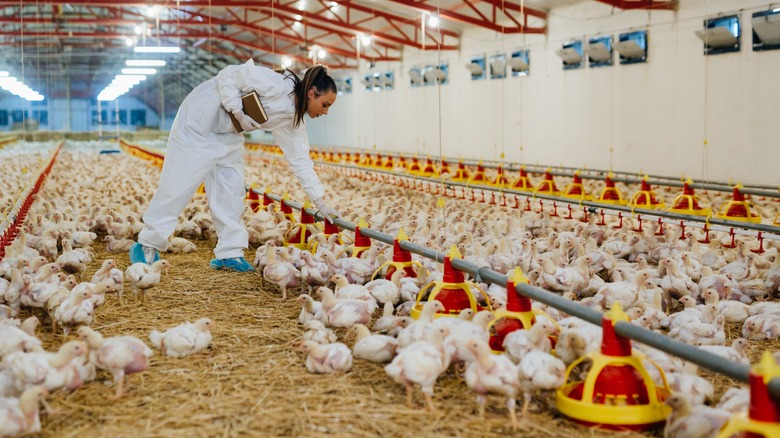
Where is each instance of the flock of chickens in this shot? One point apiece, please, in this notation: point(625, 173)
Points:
point(650, 276)
point(43, 274)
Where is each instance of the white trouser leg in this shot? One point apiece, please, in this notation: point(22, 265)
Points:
point(226, 192)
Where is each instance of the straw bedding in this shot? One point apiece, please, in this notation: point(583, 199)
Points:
point(252, 380)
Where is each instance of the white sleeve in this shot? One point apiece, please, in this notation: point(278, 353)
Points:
point(235, 81)
point(294, 142)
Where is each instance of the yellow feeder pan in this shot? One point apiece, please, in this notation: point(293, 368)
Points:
point(298, 234)
point(688, 202)
point(388, 163)
point(402, 260)
point(646, 198)
point(617, 393)
point(763, 416)
point(738, 209)
point(479, 175)
point(610, 194)
point(444, 167)
point(501, 180)
point(361, 243)
point(777, 219)
point(518, 314)
point(461, 173)
point(576, 190)
point(523, 182)
point(453, 291)
point(547, 185)
point(428, 169)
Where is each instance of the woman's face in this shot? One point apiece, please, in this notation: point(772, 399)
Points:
point(318, 105)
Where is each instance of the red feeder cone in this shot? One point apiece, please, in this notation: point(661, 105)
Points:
point(362, 243)
point(688, 202)
point(518, 314)
point(610, 194)
point(414, 166)
point(763, 417)
point(461, 173)
point(523, 182)
point(547, 185)
point(444, 167)
point(298, 234)
point(576, 190)
point(617, 392)
point(501, 179)
point(646, 197)
point(286, 209)
point(253, 198)
point(453, 291)
point(428, 169)
point(738, 209)
point(479, 175)
point(402, 259)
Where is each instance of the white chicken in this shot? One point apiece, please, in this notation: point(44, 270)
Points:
point(317, 332)
point(373, 347)
point(75, 310)
point(328, 358)
point(44, 368)
point(418, 329)
point(492, 373)
point(120, 355)
point(310, 309)
point(385, 322)
point(184, 339)
point(14, 338)
point(539, 371)
point(345, 312)
point(761, 326)
point(420, 363)
point(737, 352)
point(280, 271)
point(345, 290)
point(313, 271)
point(20, 416)
point(692, 422)
point(735, 400)
point(386, 291)
point(113, 276)
point(520, 342)
point(144, 277)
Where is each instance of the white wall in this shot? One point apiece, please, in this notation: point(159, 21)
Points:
point(655, 115)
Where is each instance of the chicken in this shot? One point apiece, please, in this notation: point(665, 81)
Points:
point(418, 330)
point(735, 400)
point(357, 271)
point(317, 332)
point(698, 389)
point(420, 363)
point(492, 373)
point(385, 322)
point(280, 271)
point(373, 347)
point(677, 282)
point(328, 358)
point(520, 342)
point(761, 326)
point(120, 355)
point(737, 352)
point(345, 312)
point(310, 309)
point(574, 343)
point(354, 291)
point(539, 371)
point(184, 339)
point(313, 271)
point(72, 261)
point(75, 310)
point(386, 291)
point(20, 416)
point(13, 338)
point(117, 246)
point(692, 422)
point(143, 277)
point(44, 368)
point(180, 245)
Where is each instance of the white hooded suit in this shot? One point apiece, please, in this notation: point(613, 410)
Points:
point(203, 146)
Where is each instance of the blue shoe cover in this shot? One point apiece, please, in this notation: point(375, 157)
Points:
point(237, 264)
point(137, 254)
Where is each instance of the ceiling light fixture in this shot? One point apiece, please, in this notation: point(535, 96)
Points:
point(145, 63)
point(433, 20)
point(139, 71)
point(156, 49)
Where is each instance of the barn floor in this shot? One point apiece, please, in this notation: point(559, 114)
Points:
point(253, 380)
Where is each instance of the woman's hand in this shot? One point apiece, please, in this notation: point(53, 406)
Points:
point(247, 123)
point(326, 211)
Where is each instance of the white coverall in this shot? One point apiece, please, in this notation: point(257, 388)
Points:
point(203, 146)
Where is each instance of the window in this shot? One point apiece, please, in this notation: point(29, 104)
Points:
point(720, 35)
point(477, 68)
point(3, 118)
point(415, 76)
point(632, 47)
point(766, 30)
point(520, 63)
point(498, 66)
point(123, 117)
point(388, 80)
point(344, 86)
point(600, 51)
point(18, 116)
point(571, 54)
point(41, 116)
point(138, 117)
point(103, 117)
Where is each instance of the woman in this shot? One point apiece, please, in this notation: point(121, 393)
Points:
point(203, 146)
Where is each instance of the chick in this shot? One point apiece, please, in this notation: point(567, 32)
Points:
point(185, 339)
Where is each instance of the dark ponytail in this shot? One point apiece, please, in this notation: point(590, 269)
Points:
point(316, 77)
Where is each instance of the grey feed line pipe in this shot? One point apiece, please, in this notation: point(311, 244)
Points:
point(640, 334)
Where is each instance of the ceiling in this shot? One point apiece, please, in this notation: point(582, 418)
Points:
point(68, 49)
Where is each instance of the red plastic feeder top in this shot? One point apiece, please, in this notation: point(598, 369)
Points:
point(547, 185)
point(401, 256)
point(500, 178)
point(461, 173)
point(515, 303)
point(445, 167)
point(362, 243)
point(479, 176)
point(523, 182)
point(284, 208)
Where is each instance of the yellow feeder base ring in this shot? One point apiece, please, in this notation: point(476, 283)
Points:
point(525, 318)
point(751, 218)
point(741, 423)
point(436, 287)
point(398, 266)
point(629, 416)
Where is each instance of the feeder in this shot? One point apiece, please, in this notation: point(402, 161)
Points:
point(479, 176)
point(547, 185)
point(777, 219)
point(402, 259)
point(444, 167)
point(461, 173)
point(286, 209)
point(301, 238)
point(617, 392)
point(428, 169)
point(253, 198)
point(387, 163)
point(688, 202)
point(518, 314)
point(646, 197)
point(361, 243)
point(453, 291)
point(523, 182)
point(763, 416)
point(414, 166)
point(738, 209)
point(576, 190)
point(610, 194)
point(501, 179)
point(267, 199)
